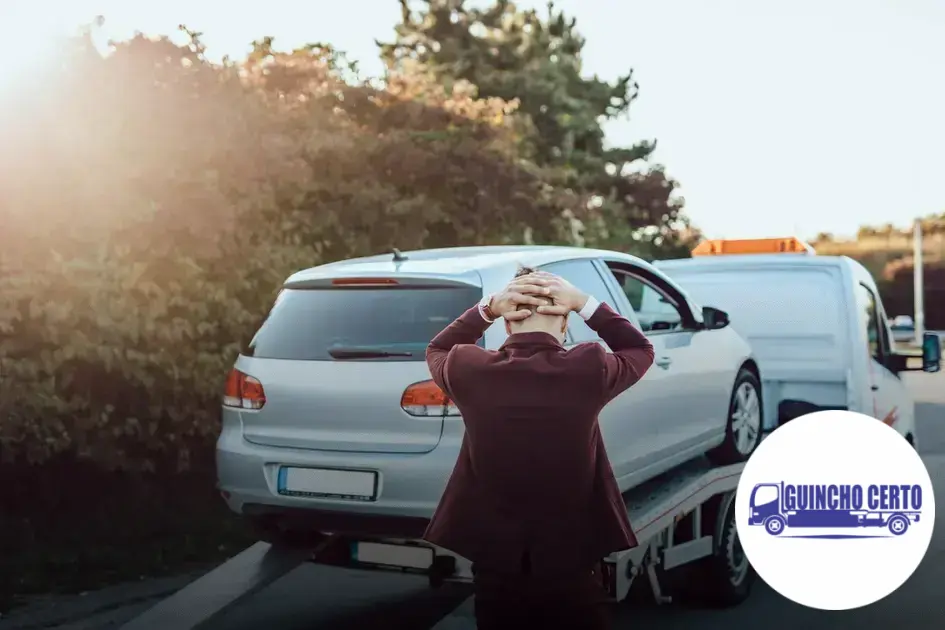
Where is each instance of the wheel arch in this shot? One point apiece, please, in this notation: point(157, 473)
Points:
point(752, 366)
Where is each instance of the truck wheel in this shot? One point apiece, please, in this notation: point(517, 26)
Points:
point(725, 578)
point(745, 420)
point(898, 525)
point(774, 525)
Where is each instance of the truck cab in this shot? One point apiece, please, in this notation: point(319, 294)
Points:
point(764, 503)
point(816, 324)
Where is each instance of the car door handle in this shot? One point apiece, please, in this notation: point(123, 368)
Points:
point(875, 388)
point(664, 362)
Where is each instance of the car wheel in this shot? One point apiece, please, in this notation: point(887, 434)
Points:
point(745, 419)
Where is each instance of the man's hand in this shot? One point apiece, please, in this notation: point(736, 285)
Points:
point(522, 291)
point(566, 296)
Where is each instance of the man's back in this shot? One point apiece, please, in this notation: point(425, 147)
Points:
point(532, 478)
point(530, 411)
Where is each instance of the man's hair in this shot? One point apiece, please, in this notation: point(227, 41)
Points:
point(524, 271)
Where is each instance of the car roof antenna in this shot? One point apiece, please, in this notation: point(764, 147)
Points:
point(399, 256)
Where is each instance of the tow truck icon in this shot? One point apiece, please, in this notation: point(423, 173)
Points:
point(777, 506)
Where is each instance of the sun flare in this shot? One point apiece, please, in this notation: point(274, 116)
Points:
point(29, 42)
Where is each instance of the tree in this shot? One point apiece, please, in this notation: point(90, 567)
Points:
point(536, 60)
point(156, 201)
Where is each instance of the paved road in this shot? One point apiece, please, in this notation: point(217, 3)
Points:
point(315, 597)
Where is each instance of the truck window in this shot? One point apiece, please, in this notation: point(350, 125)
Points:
point(873, 322)
point(765, 494)
point(583, 274)
point(655, 311)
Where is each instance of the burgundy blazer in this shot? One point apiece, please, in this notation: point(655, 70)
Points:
point(532, 475)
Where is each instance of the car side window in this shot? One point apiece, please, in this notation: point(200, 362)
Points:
point(875, 327)
point(583, 274)
point(655, 311)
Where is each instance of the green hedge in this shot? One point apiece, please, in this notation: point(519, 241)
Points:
point(158, 200)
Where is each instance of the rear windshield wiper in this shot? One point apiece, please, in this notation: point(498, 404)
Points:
point(364, 353)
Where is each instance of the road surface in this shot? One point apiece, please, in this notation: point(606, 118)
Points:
point(315, 597)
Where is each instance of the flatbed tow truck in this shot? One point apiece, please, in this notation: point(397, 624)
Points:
point(684, 520)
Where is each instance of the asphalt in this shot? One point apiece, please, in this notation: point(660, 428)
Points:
point(317, 597)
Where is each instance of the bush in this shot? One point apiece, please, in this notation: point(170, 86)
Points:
point(157, 200)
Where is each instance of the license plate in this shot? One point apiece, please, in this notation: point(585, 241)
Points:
point(353, 485)
point(403, 556)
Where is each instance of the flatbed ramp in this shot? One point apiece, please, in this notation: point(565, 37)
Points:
point(684, 517)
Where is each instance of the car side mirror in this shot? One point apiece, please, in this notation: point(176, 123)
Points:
point(714, 318)
point(931, 352)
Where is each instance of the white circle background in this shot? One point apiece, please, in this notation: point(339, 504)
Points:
point(835, 447)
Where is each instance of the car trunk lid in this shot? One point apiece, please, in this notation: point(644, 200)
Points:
point(342, 363)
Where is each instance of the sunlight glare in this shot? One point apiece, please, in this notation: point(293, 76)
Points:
point(29, 38)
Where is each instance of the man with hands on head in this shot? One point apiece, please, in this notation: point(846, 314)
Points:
point(532, 500)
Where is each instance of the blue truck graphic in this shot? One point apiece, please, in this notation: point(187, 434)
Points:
point(777, 506)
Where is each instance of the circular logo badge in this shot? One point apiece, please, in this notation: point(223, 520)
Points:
point(835, 510)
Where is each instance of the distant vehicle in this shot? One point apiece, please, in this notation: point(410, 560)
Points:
point(330, 419)
point(903, 321)
point(903, 329)
point(817, 328)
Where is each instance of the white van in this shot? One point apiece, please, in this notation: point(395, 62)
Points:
point(816, 325)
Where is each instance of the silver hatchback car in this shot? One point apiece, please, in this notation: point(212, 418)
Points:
point(332, 424)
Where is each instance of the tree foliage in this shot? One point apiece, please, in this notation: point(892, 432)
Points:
point(154, 201)
point(537, 60)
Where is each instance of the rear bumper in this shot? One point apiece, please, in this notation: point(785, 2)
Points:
point(409, 487)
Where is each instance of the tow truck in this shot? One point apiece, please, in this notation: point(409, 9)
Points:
point(684, 521)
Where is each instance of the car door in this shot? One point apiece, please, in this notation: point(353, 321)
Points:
point(888, 391)
point(630, 424)
point(624, 420)
point(697, 378)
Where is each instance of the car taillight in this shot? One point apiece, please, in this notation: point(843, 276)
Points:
point(426, 399)
point(243, 391)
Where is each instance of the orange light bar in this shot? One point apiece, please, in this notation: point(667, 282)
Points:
point(723, 247)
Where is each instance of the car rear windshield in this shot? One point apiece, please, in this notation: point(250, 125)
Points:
point(389, 324)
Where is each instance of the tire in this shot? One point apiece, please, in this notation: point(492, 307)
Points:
point(898, 525)
point(774, 525)
point(744, 425)
point(725, 578)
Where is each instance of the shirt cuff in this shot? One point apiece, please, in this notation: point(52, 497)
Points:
point(589, 309)
point(483, 303)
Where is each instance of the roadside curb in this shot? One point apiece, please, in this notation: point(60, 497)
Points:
point(56, 610)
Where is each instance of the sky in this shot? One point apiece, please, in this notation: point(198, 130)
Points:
point(782, 117)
